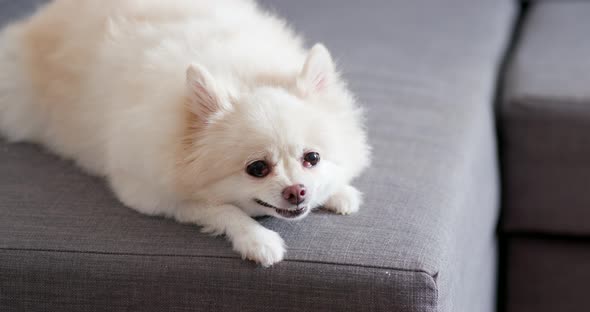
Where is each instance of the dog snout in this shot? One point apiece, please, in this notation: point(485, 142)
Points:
point(294, 194)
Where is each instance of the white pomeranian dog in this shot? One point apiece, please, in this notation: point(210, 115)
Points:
point(208, 112)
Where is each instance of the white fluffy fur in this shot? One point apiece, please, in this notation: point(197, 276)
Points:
point(171, 100)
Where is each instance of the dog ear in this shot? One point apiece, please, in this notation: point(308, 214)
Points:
point(318, 71)
point(205, 99)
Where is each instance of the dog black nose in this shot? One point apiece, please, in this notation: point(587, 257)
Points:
point(294, 194)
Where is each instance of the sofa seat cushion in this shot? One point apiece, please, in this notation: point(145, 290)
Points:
point(545, 123)
point(423, 240)
point(547, 274)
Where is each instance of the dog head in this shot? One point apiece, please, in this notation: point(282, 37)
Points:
point(273, 150)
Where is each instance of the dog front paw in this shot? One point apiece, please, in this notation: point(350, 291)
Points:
point(346, 201)
point(260, 245)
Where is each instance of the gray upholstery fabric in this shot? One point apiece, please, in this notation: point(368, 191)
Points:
point(423, 241)
point(36, 280)
point(548, 275)
point(545, 123)
point(13, 9)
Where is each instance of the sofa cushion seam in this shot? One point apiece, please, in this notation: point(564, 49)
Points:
point(431, 275)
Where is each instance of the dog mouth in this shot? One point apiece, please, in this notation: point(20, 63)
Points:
point(286, 213)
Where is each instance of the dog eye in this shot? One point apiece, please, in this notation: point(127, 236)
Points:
point(311, 159)
point(258, 169)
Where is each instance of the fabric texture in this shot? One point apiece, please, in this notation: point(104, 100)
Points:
point(13, 9)
point(547, 275)
point(545, 122)
point(423, 241)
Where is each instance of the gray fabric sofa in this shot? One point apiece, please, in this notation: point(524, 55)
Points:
point(426, 238)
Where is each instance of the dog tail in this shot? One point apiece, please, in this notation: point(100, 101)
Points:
point(18, 109)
